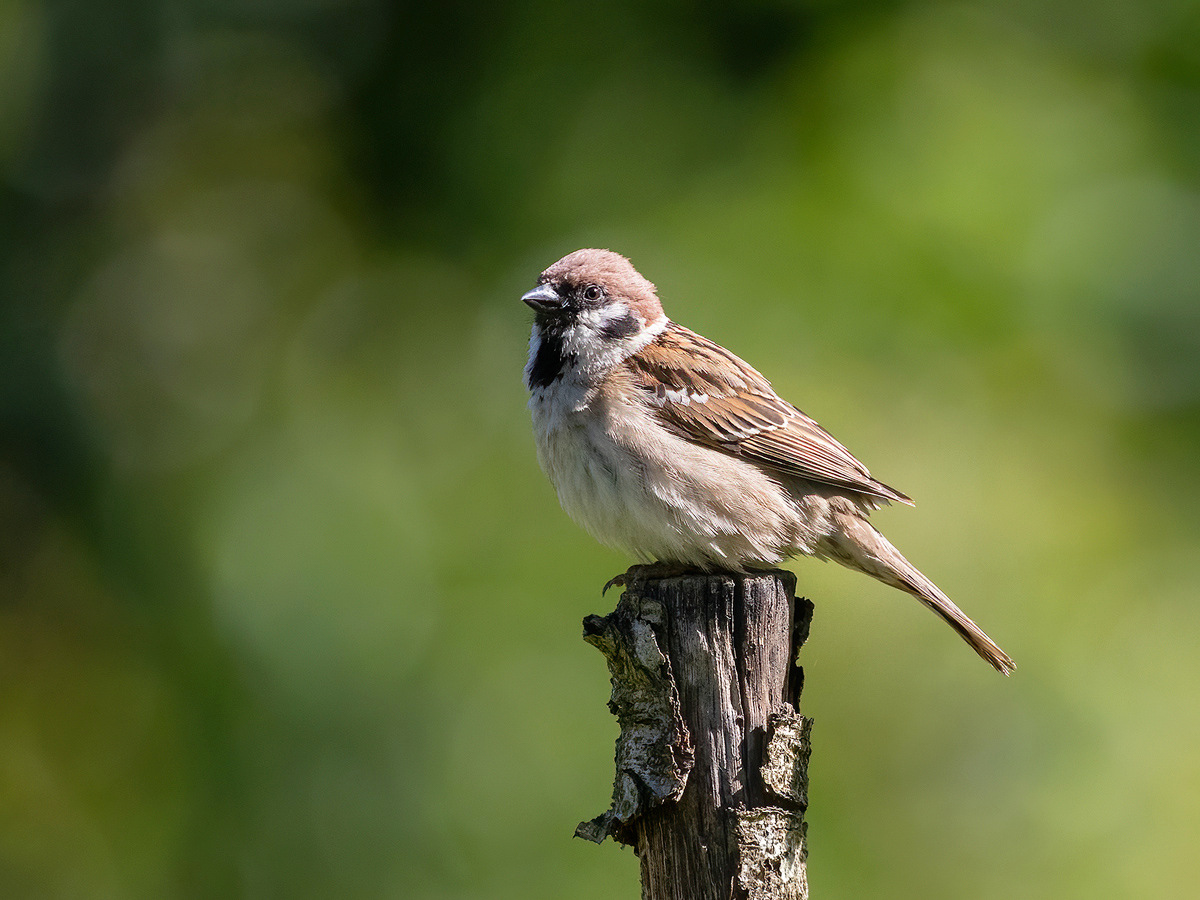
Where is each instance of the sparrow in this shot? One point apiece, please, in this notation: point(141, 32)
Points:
point(665, 445)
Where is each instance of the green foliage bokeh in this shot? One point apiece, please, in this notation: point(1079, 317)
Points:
point(287, 609)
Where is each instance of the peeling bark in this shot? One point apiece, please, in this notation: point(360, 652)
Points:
point(654, 750)
point(711, 764)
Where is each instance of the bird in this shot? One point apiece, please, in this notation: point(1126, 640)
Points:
point(664, 445)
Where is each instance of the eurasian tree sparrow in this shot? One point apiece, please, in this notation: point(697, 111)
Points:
point(665, 445)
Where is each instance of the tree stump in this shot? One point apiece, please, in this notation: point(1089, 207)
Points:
point(712, 761)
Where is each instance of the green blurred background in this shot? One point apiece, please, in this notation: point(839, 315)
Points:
point(287, 609)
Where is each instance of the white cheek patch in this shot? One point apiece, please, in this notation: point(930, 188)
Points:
point(600, 318)
point(596, 352)
point(592, 319)
point(611, 323)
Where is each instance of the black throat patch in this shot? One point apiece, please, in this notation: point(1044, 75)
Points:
point(551, 360)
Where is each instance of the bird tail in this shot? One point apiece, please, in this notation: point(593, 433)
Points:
point(862, 547)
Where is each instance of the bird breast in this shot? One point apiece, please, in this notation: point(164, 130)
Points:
point(634, 485)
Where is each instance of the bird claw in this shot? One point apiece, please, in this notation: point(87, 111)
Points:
point(616, 580)
point(649, 570)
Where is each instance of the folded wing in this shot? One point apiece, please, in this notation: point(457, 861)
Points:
point(703, 392)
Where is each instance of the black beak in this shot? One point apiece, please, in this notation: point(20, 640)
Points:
point(543, 298)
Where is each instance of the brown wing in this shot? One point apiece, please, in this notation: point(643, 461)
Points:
point(705, 393)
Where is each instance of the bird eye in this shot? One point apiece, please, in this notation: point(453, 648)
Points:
point(592, 292)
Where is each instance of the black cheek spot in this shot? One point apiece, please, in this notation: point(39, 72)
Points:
point(623, 326)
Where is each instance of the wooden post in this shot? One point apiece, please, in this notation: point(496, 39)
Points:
point(712, 760)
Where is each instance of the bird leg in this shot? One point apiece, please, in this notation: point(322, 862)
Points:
point(648, 571)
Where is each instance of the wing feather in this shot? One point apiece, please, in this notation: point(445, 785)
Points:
point(705, 393)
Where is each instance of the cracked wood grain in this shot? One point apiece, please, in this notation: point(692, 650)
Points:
point(711, 764)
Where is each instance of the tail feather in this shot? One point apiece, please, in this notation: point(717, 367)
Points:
point(929, 594)
point(862, 547)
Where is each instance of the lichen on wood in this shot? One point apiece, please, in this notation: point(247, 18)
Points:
point(785, 768)
point(711, 780)
point(654, 751)
point(772, 853)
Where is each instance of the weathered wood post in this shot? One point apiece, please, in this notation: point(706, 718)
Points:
point(712, 760)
